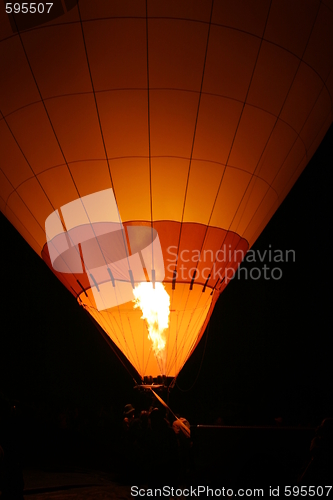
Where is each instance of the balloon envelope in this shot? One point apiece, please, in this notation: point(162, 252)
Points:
point(198, 117)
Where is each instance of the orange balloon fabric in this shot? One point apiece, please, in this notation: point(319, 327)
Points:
point(200, 116)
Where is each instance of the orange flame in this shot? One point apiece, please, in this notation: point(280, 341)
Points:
point(155, 306)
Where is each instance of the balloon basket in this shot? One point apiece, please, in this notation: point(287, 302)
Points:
point(160, 383)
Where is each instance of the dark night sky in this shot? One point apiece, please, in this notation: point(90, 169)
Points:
point(268, 350)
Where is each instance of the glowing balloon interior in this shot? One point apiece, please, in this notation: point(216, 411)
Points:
point(198, 117)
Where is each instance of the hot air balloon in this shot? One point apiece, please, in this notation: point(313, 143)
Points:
point(146, 144)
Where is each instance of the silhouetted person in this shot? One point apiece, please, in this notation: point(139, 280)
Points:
point(129, 414)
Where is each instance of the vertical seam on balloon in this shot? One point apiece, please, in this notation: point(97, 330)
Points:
point(149, 137)
point(176, 345)
point(240, 117)
point(21, 221)
point(194, 327)
point(255, 178)
point(277, 173)
point(202, 358)
point(149, 352)
point(56, 138)
point(95, 100)
point(108, 321)
point(191, 328)
point(143, 350)
point(291, 148)
point(135, 349)
point(171, 310)
point(229, 260)
point(48, 117)
point(168, 343)
point(167, 339)
point(169, 334)
point(18, 194)
point(222, 177)
point(113, 343)
point(102, 137)
point(178, 325)
point(103, 141)
point(122, 332)
point(186, 329)
point(233, 140)
point(27, 162)
point(195, 128)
